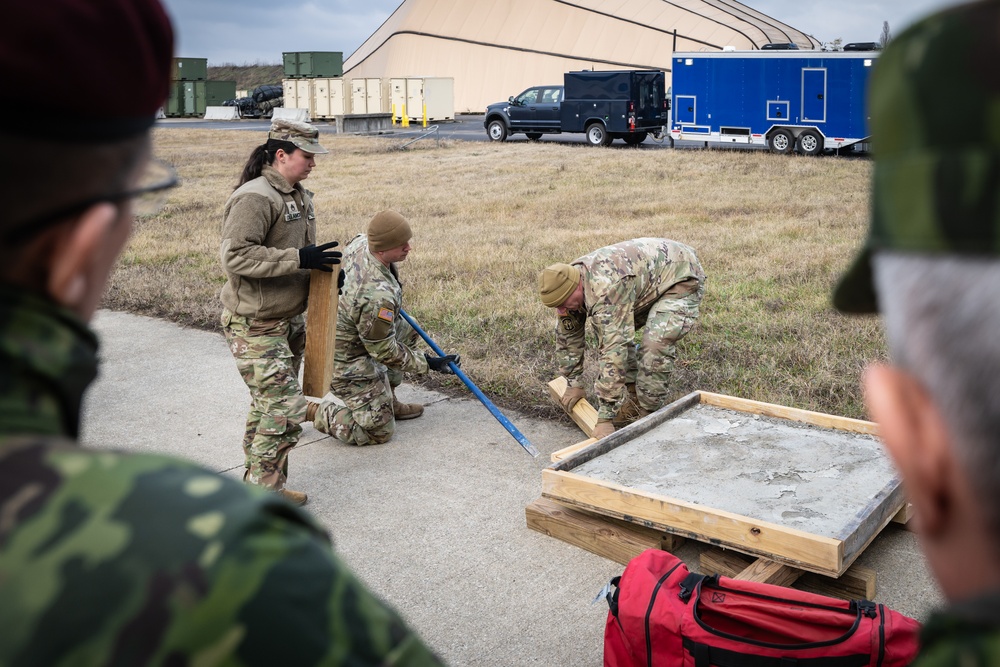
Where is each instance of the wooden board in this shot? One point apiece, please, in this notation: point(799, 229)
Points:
point(566, 452)
point(321, 333)
point(583, 412)
point(857, 583)
point(620, 541)
point(829, 555)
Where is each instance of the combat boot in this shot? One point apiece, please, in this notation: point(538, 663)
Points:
point(629, 410)
point(294, 497)
point(401, 411)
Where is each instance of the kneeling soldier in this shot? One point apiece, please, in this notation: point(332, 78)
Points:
point(374, 343)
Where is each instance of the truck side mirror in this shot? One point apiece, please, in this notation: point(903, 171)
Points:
point(511, 100)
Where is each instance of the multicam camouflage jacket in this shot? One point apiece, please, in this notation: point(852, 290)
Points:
point(368, 319)
point(620, 284)
point(114, 558)
point(966, 634)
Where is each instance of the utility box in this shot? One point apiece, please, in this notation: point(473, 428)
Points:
point(313, 64)
point(217, 92)
point(430, 96)
point(359, 95)
point(397, 97)
point(329, 98)
point(189, 69)
point(377, 91)
point(194, 98)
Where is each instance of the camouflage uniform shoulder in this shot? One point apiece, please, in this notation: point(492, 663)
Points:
point(114, 557)
point(967, 633)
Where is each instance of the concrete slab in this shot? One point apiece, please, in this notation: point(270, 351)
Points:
point(433, 520)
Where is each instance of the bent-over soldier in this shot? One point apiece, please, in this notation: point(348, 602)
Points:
point(375, 345)
point(648, 283)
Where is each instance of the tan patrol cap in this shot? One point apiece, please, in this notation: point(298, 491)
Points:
point(556, 283)
point(303, 135)
point(388, 230)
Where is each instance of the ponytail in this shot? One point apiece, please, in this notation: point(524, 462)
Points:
point(263, 154)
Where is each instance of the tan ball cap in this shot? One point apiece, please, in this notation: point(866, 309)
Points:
point(388, 230)
point(556, 283)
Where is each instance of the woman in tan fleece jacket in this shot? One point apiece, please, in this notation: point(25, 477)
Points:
point(268, 248)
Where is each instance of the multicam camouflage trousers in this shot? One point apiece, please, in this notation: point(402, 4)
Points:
point(268, 355)
point(366, 417)
point(669, 320)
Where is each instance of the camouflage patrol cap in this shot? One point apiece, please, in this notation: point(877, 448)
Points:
point(303, 135)
point(556, 283)
point(935, 110)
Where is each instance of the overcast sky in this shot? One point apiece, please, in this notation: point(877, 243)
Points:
point(249, 31)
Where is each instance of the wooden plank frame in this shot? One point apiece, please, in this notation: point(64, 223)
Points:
point(321, 333)
point(806, 551)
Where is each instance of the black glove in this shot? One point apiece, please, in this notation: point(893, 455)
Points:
point(319, 257)
point(340, 282)
point(440, 364)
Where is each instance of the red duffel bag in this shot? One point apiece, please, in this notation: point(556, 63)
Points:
point(664, 616)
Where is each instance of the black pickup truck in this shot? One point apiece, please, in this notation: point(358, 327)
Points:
point(605, 106)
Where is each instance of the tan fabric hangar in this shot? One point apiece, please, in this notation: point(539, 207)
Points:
point(497, 48)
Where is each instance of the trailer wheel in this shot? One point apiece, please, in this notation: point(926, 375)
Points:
point(810, 143)
point(597, 135)
point(497, 130)
point(533, 136)
point(781, 142)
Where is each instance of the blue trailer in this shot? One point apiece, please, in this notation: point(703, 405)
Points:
point(785, 100)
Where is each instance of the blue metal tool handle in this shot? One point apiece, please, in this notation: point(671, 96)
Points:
point(528, 447)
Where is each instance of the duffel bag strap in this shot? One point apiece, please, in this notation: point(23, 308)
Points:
point(691, 582)
point(712, 656)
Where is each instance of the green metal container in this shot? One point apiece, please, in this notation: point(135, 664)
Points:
point(194, 98)
point(175, 103)
point(313, 64)
point(217, 92)
point(190, 69)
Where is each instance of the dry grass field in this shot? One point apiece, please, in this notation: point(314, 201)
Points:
point(773, 233)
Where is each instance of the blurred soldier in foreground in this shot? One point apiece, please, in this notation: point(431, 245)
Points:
point(931, 266)
point(106, 557)
point(268, 249)
point(652, 283)
point(375, 345)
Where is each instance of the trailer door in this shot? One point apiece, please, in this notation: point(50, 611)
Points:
point(813, 95)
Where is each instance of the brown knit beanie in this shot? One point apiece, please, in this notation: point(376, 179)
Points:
point(556, 283)
point(388, 230)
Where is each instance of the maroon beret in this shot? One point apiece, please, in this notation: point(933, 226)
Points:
point(96, 70)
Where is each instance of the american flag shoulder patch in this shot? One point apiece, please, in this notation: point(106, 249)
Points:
point(386, 314)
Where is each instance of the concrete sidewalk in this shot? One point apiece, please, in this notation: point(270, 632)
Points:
point(433, 521)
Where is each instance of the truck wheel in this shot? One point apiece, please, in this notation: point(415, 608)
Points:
point(781, 142)
point(635, 138)
point(597, 135)
point(533, 136)
point(497, 130)
point(810, 143)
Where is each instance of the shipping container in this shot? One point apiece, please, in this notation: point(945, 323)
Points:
point(313, 64)
point(217, 92)
point(397, 97)
point(329, 98)
point(359, 96)
point(378, 95)
point(298, 94)
point(175, 102)
point(190, 69)
point(194, 98)
point(433, 96)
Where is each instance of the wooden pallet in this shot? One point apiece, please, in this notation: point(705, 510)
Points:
point(622, 535)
